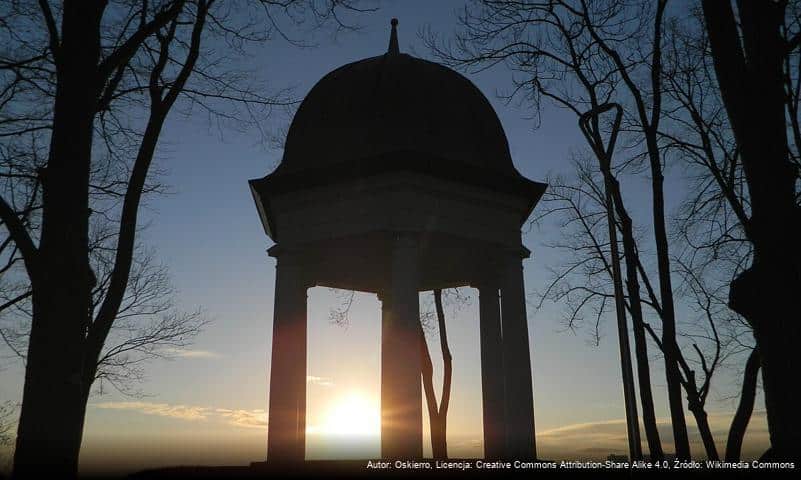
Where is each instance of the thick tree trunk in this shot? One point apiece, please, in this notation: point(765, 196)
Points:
point(53, 403)
point(777, 336)
point(748, 62)
point(781, 391)
point(53, 407)
point(745, 408)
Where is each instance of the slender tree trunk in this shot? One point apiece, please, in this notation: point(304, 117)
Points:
point(671, 348)
point(615, 201)
point(748, 57)
point(427, 371)
point(646, 394)
point(702, 420)
point(649, 128)
point(695, 402)
point(667, 312)
point(437, 413)
point(630, 399)
point(635, 308)
point(440, 444)
point(640, 345)
point(745, 408)
point(53, 404)
point(436, 425)
point(644, 375)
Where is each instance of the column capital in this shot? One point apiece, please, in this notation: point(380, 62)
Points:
point(294, 264)
point(289, 257)
point(510, 268)
point(519, 252)
point(487, 281)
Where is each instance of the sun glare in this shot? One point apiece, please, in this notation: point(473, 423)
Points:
point(351, 415)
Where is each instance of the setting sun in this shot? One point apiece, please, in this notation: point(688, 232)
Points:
point(350, 415)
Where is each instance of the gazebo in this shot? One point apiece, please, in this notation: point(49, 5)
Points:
point(396, 178)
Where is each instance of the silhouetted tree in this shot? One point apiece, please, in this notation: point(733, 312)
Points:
point(572, 53)
point(582, 54)
point(86, 89)
point(745, 408)
point(437, 412)
point(716, 222)
point(147, 325)
point(749, 50)
point(582, 283)
point(709, 226)
point(590, 124)
point(646, 97)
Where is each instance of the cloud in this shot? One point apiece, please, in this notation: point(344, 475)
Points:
point(244, 418)
point(595, 440)
point(189, 353)
point(183, 412)
point(256, 418)
point(321, 381)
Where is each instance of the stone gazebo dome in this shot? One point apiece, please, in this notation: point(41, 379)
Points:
point(391, 103)
point(394, 112)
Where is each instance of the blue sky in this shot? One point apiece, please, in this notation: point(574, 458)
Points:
point(207, 405)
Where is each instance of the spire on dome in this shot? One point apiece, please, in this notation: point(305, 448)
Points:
point(393, 38)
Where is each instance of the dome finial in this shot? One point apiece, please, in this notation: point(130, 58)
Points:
point(393, 38)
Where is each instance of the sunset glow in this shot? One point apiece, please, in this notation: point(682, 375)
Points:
point(350, 415)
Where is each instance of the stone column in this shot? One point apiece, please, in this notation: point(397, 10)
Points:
point(492, 381)
point(517, 362)
point(401, 388)
point(286, 437)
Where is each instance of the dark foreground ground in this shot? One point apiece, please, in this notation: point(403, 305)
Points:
point(360, 469)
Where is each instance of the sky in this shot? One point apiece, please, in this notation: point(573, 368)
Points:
point(208, 404)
